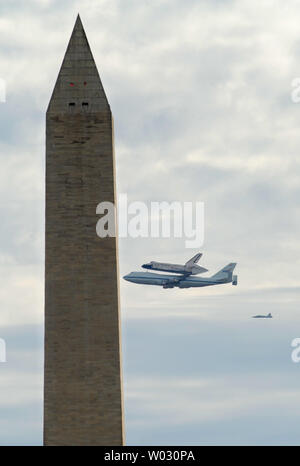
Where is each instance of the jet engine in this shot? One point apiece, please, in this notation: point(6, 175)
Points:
point(168, 285)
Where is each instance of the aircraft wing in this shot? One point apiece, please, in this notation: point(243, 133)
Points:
point(201, 269)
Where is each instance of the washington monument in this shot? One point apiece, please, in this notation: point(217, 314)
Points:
point(82, 383)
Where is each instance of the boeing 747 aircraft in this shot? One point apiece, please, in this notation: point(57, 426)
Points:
point(183, 281)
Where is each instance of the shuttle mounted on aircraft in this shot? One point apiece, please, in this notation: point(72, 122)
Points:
point(189, 268)
point(225, 275)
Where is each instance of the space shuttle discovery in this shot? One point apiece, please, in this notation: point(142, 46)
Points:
point(189, 268)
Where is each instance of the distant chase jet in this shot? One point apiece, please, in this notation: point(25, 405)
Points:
point(268, 316)
point(183, 281)
point(189, 268)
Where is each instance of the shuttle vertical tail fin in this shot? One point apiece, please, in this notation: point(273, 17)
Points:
point(194, 260)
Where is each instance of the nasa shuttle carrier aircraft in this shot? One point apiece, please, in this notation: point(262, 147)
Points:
point(185, 280)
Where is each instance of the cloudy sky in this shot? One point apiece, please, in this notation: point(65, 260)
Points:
point(201, 96)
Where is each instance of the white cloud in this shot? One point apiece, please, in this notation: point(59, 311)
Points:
point(178, 401)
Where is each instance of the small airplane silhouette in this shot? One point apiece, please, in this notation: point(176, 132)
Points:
point(268, 316)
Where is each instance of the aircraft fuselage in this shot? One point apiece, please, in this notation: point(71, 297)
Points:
point(171, 281)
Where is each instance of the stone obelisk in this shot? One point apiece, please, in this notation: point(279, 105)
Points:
point(82, 384)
